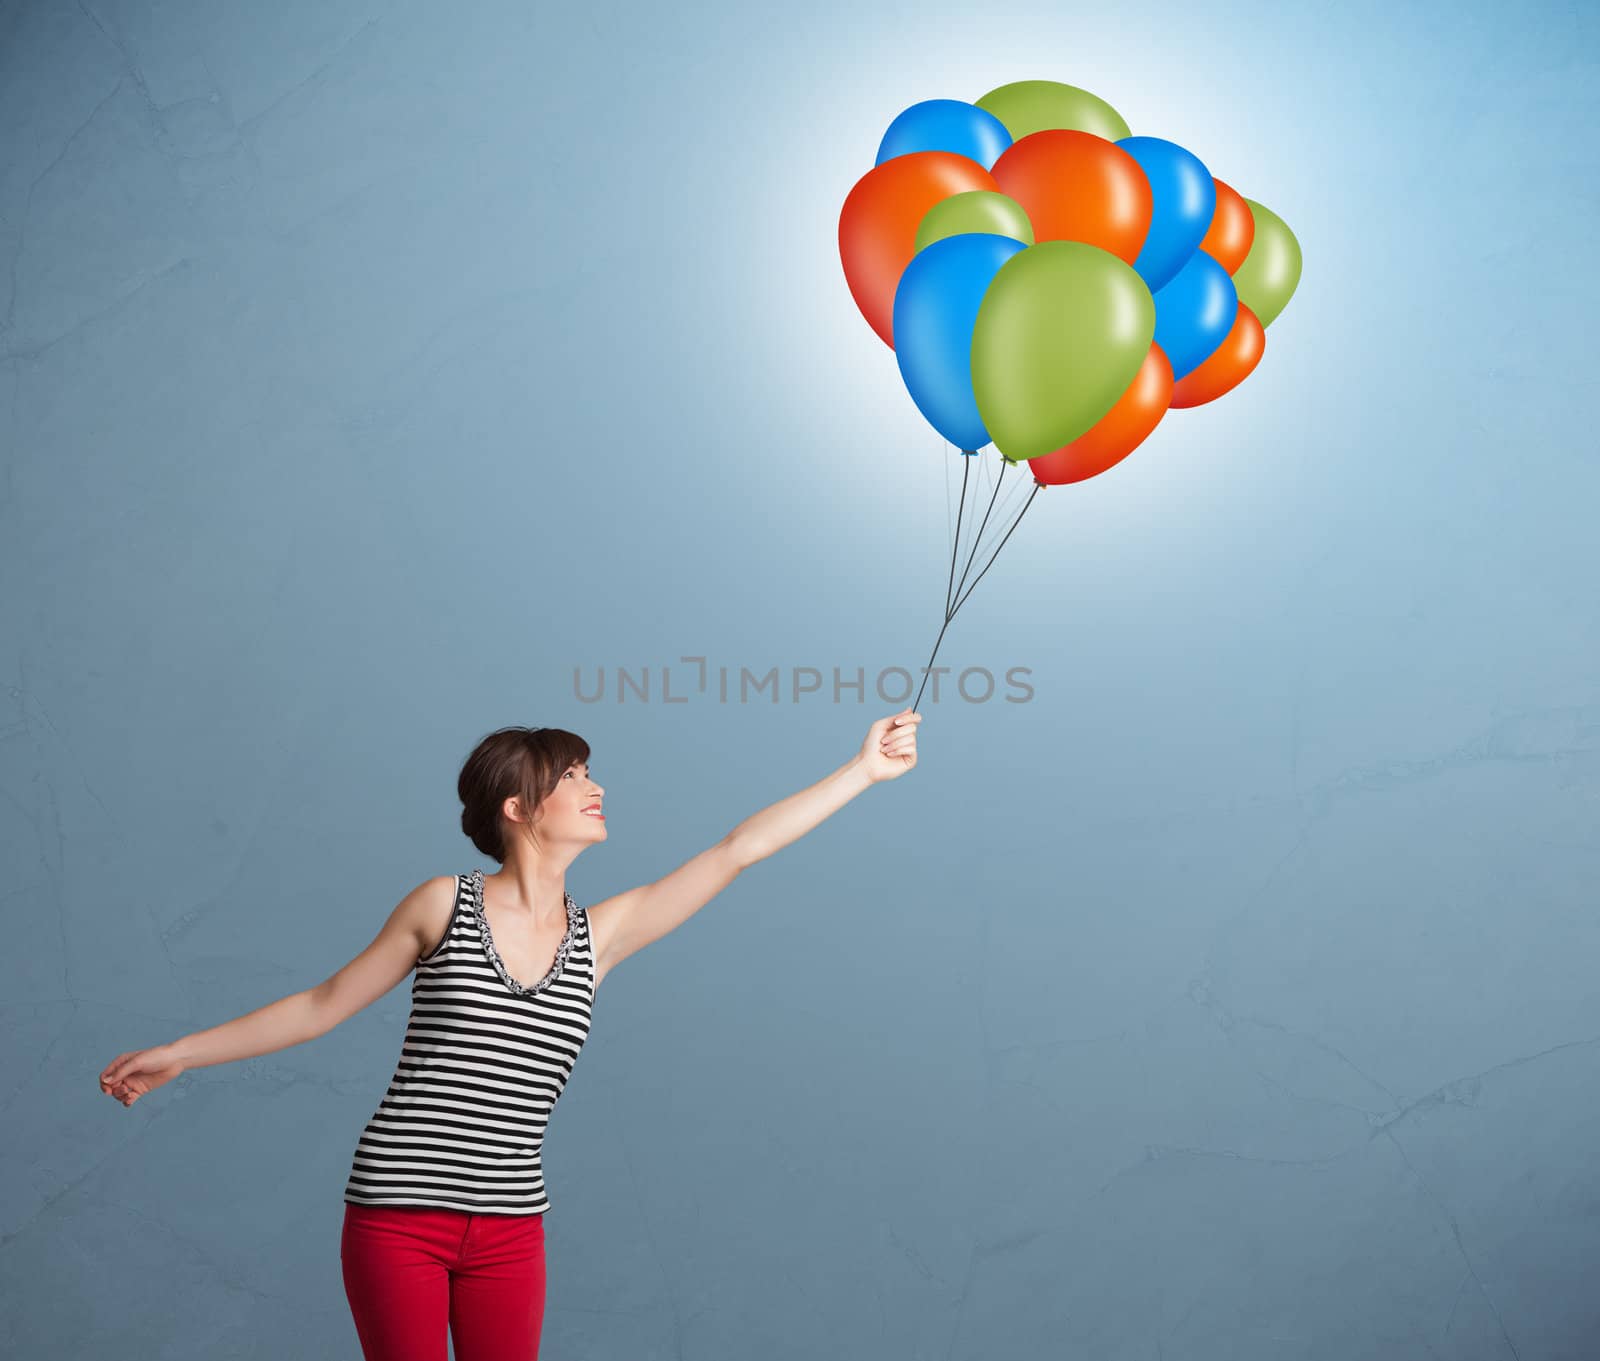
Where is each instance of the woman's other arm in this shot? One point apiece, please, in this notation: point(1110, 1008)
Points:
point(412, 928)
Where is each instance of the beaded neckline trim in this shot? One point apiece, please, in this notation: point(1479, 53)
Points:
point(487, 937)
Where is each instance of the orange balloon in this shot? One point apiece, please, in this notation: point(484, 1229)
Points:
point(879, 220)
point(1118, 433)
point(1075, 186)
point(1227, 240)
point(1226, 366)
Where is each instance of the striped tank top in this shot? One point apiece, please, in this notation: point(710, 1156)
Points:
point(483, 1061)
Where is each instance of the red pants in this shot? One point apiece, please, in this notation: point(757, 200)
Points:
point(410, 1269)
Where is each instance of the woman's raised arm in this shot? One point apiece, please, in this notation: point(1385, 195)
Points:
point(633, 919)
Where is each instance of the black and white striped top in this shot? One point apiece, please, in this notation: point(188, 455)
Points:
point(483, 1061)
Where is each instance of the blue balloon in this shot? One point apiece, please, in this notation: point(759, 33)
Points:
point(1195, 312)
point(946, 125)
point(935, 311)
point(1184, 197)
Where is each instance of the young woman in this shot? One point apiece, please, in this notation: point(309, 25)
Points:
point(445, 1202)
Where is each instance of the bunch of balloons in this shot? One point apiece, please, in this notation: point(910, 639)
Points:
point(1052, 284)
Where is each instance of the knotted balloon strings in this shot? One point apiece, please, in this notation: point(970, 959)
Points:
point(957, 593)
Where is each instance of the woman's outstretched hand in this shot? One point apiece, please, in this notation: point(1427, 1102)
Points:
point(890, 748)
point(129, 1076)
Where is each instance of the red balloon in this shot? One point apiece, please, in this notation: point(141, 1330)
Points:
point(1118, 433)
point(1226, 366)
point(1075, 186)
point(1227, 240)
point(879, 220)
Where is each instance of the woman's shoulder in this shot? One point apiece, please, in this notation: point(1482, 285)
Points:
point(439, 899)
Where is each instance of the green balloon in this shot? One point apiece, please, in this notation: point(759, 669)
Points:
point(1271, 272)
point(977, 210)
point(1027, 106)
point(1061, 333)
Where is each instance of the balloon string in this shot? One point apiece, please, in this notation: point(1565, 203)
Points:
point(1006, 510)
point(998, 547)
point(951, 613)
point(944, 463)
point(977, 538)
point(955, 546)
point(967, 457)
point(928, 669)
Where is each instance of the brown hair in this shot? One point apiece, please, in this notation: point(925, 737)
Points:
point(520, 762)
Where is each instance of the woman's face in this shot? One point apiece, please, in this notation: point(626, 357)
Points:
point(573, 811)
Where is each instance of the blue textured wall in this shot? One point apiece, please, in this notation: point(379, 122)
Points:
point(367, 368)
